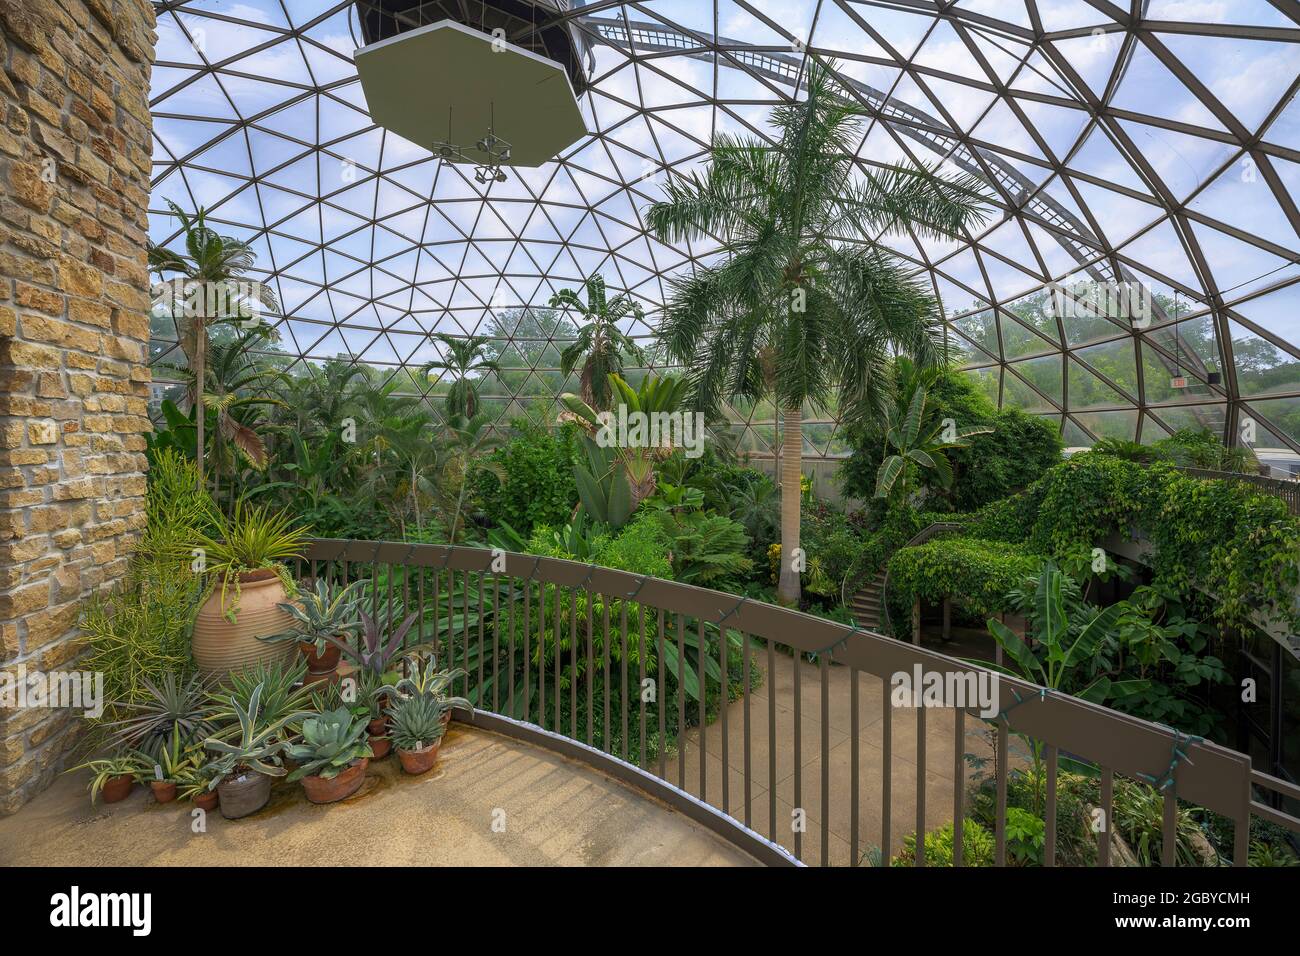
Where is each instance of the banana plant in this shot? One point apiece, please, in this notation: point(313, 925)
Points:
point(1059, 650)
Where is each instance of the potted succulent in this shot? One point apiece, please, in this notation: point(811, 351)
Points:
point(425, 680)
point(320, 614)
point(115, 776)
point(332, 757)
point(195, 785)
point(244, 768)
point(249, 582)
point(417, 730)
point(174, 760)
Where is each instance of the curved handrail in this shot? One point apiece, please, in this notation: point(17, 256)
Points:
point(1211, 775)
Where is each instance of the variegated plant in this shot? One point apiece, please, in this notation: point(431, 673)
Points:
point(322, 613)
point(257, 747)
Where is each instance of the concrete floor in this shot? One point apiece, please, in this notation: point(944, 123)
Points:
point(556, 813)
point(904, 779)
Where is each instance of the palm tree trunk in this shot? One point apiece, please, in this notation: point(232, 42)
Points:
point(200, 354)
point(787, 590)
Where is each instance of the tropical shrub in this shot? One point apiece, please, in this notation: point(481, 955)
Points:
point(978, 847)
point(539, 487)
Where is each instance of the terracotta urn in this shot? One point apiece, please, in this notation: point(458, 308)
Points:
point(221, 645)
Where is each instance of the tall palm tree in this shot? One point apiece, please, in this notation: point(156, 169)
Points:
point(807, 306)
point(463, 358)
point(210, 261)
point(600, 344)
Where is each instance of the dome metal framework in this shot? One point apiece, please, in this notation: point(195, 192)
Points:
point(1151, 145)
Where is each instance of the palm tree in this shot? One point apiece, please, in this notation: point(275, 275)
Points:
point(807, 306)
point(463, 357)
point(210, 261)
point(599, 338)
point(915, 439)
point(469, 442)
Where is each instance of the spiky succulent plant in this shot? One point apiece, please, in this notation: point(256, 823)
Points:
point(323, 612)
point(331, 742)
point(417, 722)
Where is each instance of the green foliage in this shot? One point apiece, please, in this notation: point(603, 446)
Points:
point(980, 572)
point(322, 612)
point(105, 769)
point(254, 743)
point(138, 635)
point(707, 549)
point(538, 487)
point(252, 538)
point(282, 698)
point(1223, 536)
point(173, 705)
point(978, 846)
point(1139, 814)
point(1017, 450)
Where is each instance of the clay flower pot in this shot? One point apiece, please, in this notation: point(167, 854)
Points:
point(382, 746)
point(164, 791)
point(319, 664)
point(221, 646)
point(333, 789)
point(207, 801)
point(377, 727)
point(118, 788)
point(245, 794)
point(419, 761)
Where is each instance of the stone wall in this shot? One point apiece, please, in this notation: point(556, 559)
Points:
point(75, 147)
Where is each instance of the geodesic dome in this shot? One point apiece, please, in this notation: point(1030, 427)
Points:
point(1153, 145)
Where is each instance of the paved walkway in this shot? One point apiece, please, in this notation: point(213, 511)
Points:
point(556, 812)
point(939, 761)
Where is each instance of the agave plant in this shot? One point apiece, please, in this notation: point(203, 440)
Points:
point(282, 696)
point(330, 744)
point(174, 760)
point(196, 779)
point(417, 722)
point(325, 612)
point(172, 704)
point(257, 746)
point(425, 680)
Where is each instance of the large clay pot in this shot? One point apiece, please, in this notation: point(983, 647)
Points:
point(221, 646)
point(244, 794)
point(331, 790)
point(419, 761)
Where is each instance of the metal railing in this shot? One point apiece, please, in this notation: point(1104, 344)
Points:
point(1288, 491)
point(731, 702)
